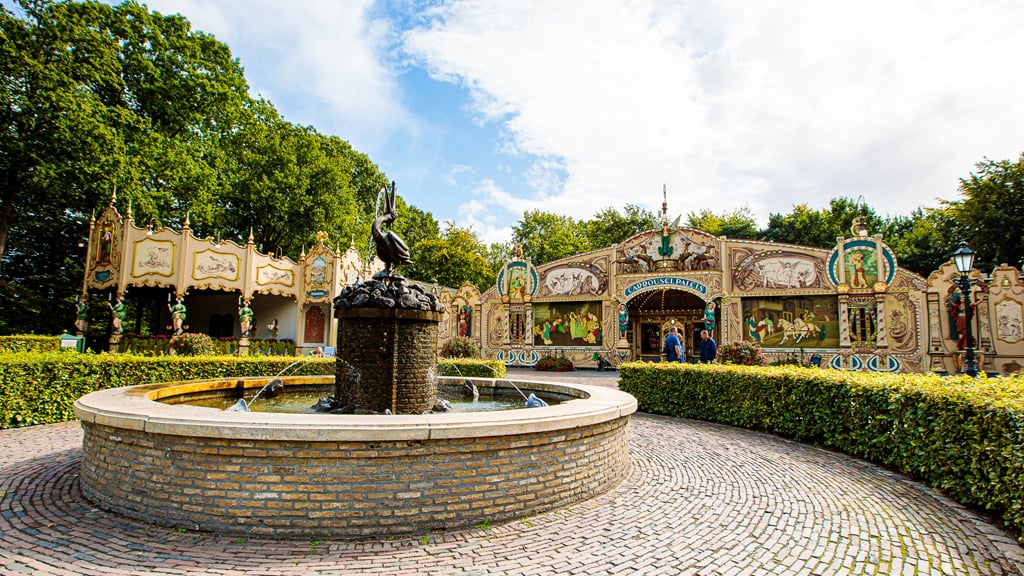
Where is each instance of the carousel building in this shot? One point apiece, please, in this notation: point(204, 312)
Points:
point(849, 308)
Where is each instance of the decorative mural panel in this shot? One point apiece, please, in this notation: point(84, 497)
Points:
point(316, 320)
point(517, 282)
point(860, 265)
point(318, 278)
point(776, 270)
point(497, 321)
point(575, 279)
point(567, 324)
point(792, 321)
point(270, 274)
point(1009, 316)
point(154, 257)
point(211, 264)
point(904, 323)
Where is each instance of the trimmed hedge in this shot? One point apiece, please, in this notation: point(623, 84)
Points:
point(41, 388)
point(26, 343)
point(963, 436)
point(470, 368)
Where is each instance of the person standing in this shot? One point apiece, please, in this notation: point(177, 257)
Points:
point(708, 348)
point(674, 351)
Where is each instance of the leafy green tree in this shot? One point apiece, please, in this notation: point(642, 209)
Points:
point(545, 236)
point(990, 217)
point(820, 228)
point(498, 253)
point(454, 258)
point(286, 183)
point(610, 226)
point(739, 223)
point(94, 98)
point(922, 241)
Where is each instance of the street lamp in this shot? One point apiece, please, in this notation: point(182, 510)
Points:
point(963, 259)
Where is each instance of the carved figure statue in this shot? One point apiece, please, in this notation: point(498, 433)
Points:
point(177, 315)
point(245, 316)
point(390, 248)
point(82, 314)
point(118, 312)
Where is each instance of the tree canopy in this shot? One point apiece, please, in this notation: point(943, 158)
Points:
point(97, 98)
point(990, 216)
point(456, 257)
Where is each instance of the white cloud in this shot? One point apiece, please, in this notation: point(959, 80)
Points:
point(766, 104)
point(321, 62)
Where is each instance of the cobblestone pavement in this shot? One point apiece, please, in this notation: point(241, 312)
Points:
point(702, 499)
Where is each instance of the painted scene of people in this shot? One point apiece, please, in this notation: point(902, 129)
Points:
point(567, 324)
point(792, 322)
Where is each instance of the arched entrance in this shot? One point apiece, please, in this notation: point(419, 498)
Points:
point(653, 312)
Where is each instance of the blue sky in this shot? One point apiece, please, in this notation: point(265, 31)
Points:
point(482, 110)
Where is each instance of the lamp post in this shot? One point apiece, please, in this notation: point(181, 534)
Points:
point(963, 259)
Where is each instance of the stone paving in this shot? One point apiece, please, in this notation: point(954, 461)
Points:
point(702, 499)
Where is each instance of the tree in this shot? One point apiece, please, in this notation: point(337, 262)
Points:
point(456, 257)
point(921, 241)
point(610, 226)
point(545, 236)
point(739, 223)
point(820, 228)
point(94, 98)
point(990, 217)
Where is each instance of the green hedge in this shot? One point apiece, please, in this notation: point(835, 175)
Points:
point(27, 343)
point(41, 388)
point(470, 368)
point(961, 435)
point(146, 345)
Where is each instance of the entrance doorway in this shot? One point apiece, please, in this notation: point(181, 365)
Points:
point(652, 313)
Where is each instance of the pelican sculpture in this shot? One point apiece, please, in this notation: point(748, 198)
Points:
point(390, 248)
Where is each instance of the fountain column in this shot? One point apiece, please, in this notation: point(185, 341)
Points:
point(386, 359)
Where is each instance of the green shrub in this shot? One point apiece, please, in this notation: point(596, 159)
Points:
point(554, 364)
point(459, 347)
point(470, 368)
point(743, 353)
point(964, 436)
point(192, 344)
point(41, 388)
point(29, 343)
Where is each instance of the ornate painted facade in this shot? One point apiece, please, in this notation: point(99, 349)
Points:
point(850, 308)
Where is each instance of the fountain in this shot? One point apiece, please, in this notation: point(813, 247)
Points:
point(361, 474)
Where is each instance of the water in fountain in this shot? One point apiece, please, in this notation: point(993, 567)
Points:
point(275, 384)
point(532, 401)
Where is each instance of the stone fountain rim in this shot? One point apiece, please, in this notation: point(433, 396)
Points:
point(138, 408)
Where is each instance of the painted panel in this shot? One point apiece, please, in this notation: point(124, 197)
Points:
point(1009, 316)
point(567, 324)
point(903, 323)
point(792, 321)
point(273, 275)
point(778, 270)
point(575, 280)
point(210, 264)
point(154, 257)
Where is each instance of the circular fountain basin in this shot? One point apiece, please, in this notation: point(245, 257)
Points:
point(345, 476)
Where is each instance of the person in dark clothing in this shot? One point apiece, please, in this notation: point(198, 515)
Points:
point(674, 346)
point(708, 348)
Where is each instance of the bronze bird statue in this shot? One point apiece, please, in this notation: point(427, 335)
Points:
point(390, 248)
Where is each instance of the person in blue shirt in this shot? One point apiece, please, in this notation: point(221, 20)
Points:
point(674, 351)
point(708, 348)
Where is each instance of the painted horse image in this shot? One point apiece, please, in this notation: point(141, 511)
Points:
point(798, 329)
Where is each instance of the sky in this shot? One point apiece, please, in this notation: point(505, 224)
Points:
point(482, 110)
